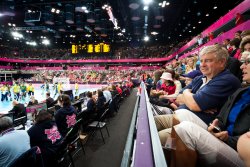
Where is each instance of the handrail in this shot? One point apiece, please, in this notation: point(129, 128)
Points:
point(144, 148)
point(159, 158)
point(128, 147)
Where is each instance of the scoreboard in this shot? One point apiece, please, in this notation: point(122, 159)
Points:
point(91, 48)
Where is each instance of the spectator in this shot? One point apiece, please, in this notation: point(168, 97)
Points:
point(65, 117)
point(234, 44)
point(32, 101)
point(243, 146)
point(18, 109)
point(13, 143)
point(206, 94)
point(45, 135)
point(191, 75)
point(49, 100)
point(216, 144)
point(107, 94)
point(238, 19)
point(245, 44)
point(100, 102)
point(237, 34)
point(199, 40)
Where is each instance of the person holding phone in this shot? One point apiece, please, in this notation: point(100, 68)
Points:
point(216, 144)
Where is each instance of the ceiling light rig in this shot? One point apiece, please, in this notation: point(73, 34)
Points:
point(164, 4)
point(111, 16)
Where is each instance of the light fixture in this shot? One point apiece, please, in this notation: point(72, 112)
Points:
point(146, 38)
point(45, 42)
point(163, 4)
point(17, 35)
point(215, 7)
point(199, 22)
point(145, 8)
point(207, 14)
point(154, 33)
point(146, 2)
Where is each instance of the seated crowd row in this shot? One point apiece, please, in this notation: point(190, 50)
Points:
point(50, 128)
point(195, 109)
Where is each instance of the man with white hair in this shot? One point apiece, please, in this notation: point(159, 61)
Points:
point(205, 95)
point(216, 144)
point(13, 142)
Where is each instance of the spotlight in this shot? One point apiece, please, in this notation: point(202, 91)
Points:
point(146, 2)
point(45, 42)
point(146, 38)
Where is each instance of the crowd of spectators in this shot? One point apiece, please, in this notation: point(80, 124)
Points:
point(205, 124)
point(107, 76)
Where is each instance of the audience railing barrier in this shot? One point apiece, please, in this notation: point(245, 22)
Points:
point(147, 150)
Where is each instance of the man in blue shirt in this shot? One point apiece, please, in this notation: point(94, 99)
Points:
point(216, 144)
point(13, 143)
point(206, 94)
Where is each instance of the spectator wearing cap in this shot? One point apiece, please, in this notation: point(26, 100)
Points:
point(191, 75)
point(177, 83)
point(168, 85)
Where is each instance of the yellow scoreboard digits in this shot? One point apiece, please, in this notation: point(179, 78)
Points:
point(91, 48)
point(97, 48)
point(74, 49)
point(106, 48)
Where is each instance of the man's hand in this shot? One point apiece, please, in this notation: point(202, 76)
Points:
point(223, 135)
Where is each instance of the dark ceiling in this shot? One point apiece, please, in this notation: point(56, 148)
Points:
point(174, 23)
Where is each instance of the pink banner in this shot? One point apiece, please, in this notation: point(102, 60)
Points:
point(134, 68)
point(84, 61)
point(87, 68)
point(6, 67)
point(41, 68)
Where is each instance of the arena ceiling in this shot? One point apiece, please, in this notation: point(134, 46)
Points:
point(81, 21)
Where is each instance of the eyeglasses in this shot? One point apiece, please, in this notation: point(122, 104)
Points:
point(245, 61)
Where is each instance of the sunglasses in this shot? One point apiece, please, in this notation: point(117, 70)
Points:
point(245, 61)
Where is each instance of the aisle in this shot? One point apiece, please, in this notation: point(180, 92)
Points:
point(109, 154)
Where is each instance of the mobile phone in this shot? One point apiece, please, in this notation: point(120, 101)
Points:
point(216, 129)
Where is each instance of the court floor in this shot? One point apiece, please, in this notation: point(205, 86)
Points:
point(40, 95)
